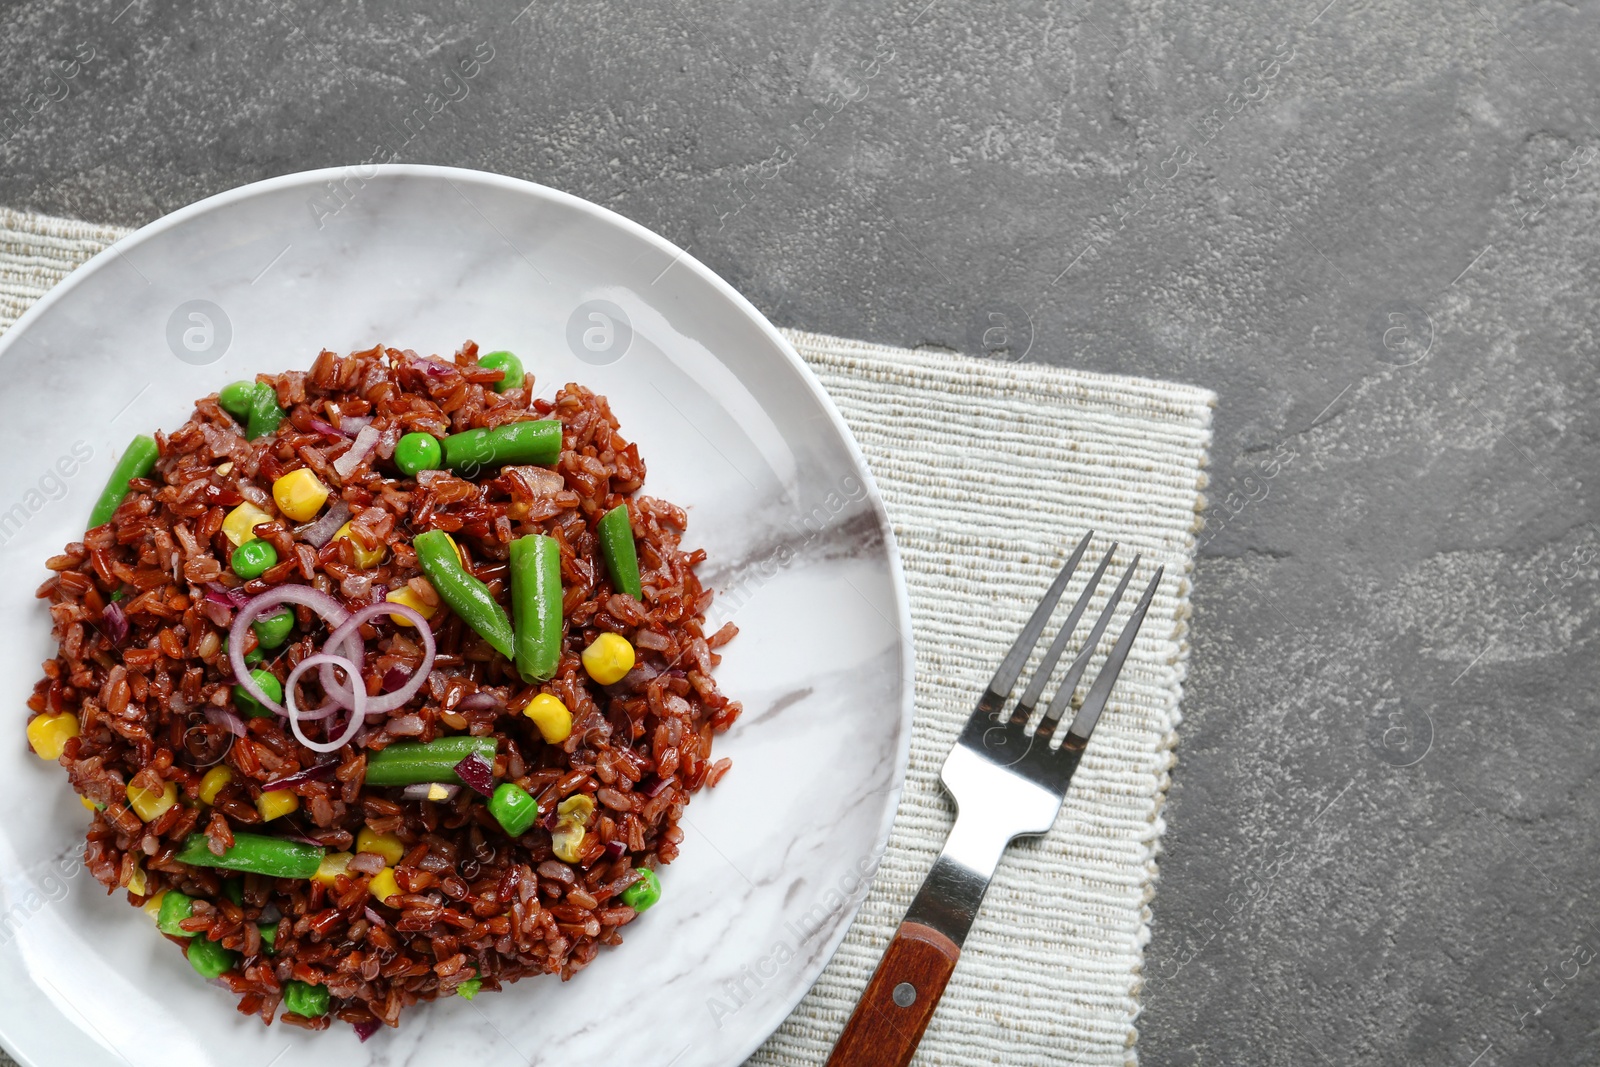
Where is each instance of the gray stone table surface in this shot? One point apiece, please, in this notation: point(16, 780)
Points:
point(1367, 226)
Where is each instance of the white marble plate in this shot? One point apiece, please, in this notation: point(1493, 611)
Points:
point(731, 424)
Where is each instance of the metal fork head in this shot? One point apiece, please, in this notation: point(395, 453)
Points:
point(1008, 741)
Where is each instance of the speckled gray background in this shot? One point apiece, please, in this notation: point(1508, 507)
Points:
point(1366, 226)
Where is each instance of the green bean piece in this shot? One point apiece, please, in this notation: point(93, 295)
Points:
point(305, 999)
point(514, 808)
point(269, 937)
point(470, 987)
point(253, 558)
point(474, 451)
point(507, 362)
point(265, 414)
point(622, 557)
point(237, 399)
point(209, 959)
point(643, 894)
point(410, 762)
point(233, 889)
point(175, 907)
point(536, 605)
point(255, 854)
point(467, 597)
point(138, 461)
point(274, 629)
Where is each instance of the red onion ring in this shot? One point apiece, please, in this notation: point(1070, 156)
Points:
point(331, 610)
point(357, 714)
point(400, 697)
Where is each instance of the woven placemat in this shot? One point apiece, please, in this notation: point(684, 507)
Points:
point(989, 472)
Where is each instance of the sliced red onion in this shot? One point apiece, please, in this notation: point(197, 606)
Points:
point(357, 453)
point(367, 1027)
point(353, 424)
point(324, 605)
point(615, 849)
point(357, 714)
point(320, 531)
point(224, 717)
point(421, 791)
point(434, 368)
point(116, 622)
point(482, 700)
point(350, 629)
point(477, 772)
point(373, 917)
point(317, 772)
point(395, 677)
point(219, 614)
point(328, 430)
point(651, 786)
point(217, 593)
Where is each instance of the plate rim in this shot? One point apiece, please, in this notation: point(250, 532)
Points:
point(679, 257)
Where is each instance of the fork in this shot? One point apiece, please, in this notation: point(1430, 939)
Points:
point(1007, 782)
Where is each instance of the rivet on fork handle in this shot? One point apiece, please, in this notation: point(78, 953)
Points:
point(894, 1011)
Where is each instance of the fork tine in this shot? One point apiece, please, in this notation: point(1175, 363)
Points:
point(1005, 679)
point(1047, 665)
point(1100, 691)
point(1069, 685)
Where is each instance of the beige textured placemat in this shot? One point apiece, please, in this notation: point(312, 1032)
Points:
point(989, 471)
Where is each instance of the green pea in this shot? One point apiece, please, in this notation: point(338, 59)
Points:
point(236, 399)
point(253, 658)
point(513, 808)
point(304, 999)
point(274, 629)
point(469, 988)
point(254, 558)
point(175, 907)
point(418, 452)
point(504, 361)
point(645, 892)
point(265, 414)
point(248, 704)
point(208, 958)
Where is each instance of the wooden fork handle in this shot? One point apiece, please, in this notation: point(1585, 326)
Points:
point(887, 1025)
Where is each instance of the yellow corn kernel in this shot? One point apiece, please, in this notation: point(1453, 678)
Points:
point(437, 792)
point(383, 885)
point(407, 596)
point(214, 782)
point(364, 559)
point(48, 734)
point(332, 866)
point(241, 523)
point(300, 494)
point(152, 907)
point(608, 659)
point(572, 816)
point(150, 806)
point(390, 847)
point(225, 469)
point(87, 803)
point(551, 717)
point(276, 803)
point(138, 884)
